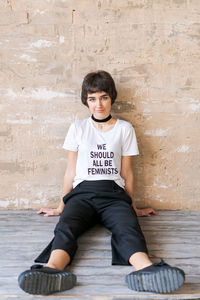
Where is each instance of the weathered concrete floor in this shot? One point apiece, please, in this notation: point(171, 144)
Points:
point(173, 236)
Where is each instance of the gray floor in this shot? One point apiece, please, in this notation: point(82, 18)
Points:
point(172, 235)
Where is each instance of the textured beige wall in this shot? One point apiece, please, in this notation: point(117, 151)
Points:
point(152, 49)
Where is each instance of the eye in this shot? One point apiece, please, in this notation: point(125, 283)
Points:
point(91, 99)
point(105, 97)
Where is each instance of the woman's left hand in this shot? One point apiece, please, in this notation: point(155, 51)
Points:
point(145, 212)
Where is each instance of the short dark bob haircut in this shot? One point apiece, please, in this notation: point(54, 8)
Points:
point(99, 81)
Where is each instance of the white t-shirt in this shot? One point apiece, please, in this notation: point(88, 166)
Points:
point(99, 153)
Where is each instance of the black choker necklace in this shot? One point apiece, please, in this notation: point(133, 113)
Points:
point(103, 120)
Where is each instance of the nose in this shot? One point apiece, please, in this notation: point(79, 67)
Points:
point(99, 103)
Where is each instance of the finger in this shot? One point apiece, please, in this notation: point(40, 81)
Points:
point(40, 211)
point(144, 214)
point(48, 214)
point(148, 214)
point(44, 211)
point(154, 212)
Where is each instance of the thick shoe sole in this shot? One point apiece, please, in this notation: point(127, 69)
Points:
point(164, 281)
point(38, 283)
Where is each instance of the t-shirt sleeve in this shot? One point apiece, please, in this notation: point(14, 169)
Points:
point(70, 142)
point(129, 145)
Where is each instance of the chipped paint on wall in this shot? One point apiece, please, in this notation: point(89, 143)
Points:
point(61, 39)
point(28, 58)
point(40, 12)
point(157, 132)
point(39, 94)
point(41, 44)
point(183, 148)
point(195, 107)
point(18, 121)
point(43, 93)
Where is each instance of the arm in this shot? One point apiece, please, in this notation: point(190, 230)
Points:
point(67, 185)
point(127, 175)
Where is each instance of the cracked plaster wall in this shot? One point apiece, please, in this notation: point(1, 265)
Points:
point(152, 49)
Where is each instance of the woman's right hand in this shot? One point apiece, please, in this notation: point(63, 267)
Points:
point(49, 212)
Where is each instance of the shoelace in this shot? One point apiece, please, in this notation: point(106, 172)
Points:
point(36, 267)
point(161, 263)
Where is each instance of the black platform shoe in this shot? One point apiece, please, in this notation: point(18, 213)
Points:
point(40, 280)
point(159, 278)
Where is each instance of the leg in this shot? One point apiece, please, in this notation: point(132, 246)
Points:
point(128, 243)
point(59, 259)
point(77, 216)
point(158, 277)
point(125, 220)
point(140, 260)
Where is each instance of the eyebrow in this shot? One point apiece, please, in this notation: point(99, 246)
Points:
point(92, 97)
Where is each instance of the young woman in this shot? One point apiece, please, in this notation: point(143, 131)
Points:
point(98, 187)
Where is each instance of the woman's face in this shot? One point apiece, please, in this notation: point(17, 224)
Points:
point(99, 104)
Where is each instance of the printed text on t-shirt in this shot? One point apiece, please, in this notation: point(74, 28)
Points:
point(102, 162)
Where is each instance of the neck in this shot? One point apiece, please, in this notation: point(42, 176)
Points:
point(102, 120)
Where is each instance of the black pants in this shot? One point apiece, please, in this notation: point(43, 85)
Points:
point(98, 201)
